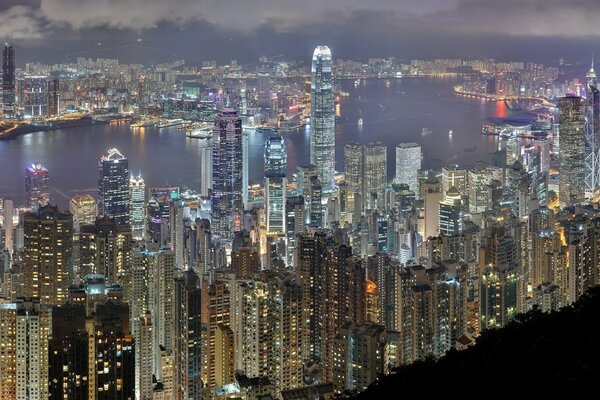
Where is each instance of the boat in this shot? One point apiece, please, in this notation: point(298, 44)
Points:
point(356, 83)
point(426, 131)
point(360, 122)
point(200, 131)
point(450, 133)
point(166, 123)
point(142, 124)
point(388, 84)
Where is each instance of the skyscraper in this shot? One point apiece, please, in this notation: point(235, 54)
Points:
point(137, 204)
point(113, 186)
point(322, 117)
point(36, 186)
point(275, 183)
point(35, 96)
point(206, 167)
point(592, 132)
point(572, 150)
point(47, 259)
point(375, 175)
point(53, 96)
point(408, 164)
point(8, 81)
point(84, 208)
point(227, 173)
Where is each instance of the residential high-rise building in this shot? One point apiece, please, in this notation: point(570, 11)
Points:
point(322, 117)
point(35, 96)
point(354, 167)
point(137, 206)
point(53, 96)
point(227, 203)
point(37, 191)
point(224, 363)
point(8, 81)
point(92, 337)
point(84, 209)
point(48, 236)
point(572, 150)
point(408, 164)
point(113, 186)
point(275, 184)
point(295, 222)
point(187, 337)
point(176, 211)
point(8, 225)
point(24, 331)
point(216, 310)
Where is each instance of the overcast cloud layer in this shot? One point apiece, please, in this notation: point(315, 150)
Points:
point(46, 23)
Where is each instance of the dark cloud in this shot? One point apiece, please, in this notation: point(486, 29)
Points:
point(226, 29)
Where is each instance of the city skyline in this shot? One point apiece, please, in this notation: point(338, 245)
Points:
point(290, 227)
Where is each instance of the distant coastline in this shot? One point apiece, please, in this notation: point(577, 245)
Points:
point(23, 129)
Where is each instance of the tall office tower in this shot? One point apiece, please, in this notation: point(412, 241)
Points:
point(47, 254)
point(53, 96)
point(375, 175)
point(275, 184)
point(572, 150)
point(84, 209)
point(35, 96)
point(206, 166)
point(500, 293)
point(176, 211)
point(245, 170)
point(8, 211)
point(187, 337)
point(113, 186)
point(408, 164)
point(91, 335)
point(359, 356)
point(216, 310)
point(24, 330)
point(354, 168)
point(433, 309)
point(8, 81)
point(479, 180)
point(37, 191)
point(453, 175)
point(224, 355)
point(316, 205)
point(592, 133)
point(227, 205)
point(104, 248)
point(295, 225)
point(322, 117)
point(137, 206)
point(451, 213)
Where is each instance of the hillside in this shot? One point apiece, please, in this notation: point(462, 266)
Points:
point(535, 356)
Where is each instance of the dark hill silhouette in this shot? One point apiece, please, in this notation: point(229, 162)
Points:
point(555, 355)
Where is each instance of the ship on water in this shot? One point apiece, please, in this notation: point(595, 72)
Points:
point(426, 132)
point(166, 123)
point(200, 131)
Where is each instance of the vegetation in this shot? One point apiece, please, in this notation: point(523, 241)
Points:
point(538, 355)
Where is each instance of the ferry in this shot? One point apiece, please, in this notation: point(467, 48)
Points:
point(200, 131)
point(360, 122)
point(142, 124)
point(165, 123)
point(450, 133)
point(426, 131)
point(356, 83)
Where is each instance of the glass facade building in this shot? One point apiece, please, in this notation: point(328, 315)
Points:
point(113, 186)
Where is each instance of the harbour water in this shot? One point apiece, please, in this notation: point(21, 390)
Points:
point(405, 110)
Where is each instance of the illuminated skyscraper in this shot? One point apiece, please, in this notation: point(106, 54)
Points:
point(35, 96)
point(227, 173)
point(36, 186)
point(137, 204)
point(84, 208)
point(572, 150)
point(113, 186)
point(592, 132)
point(47, 254)
point(53, 96)
point(275, 184)
point(451, 213)
point(206, 167)
point(8, 81)
point(322, 117)
point(375, 175)
point(408, 164)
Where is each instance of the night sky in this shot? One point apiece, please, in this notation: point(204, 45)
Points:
point(152, 31)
